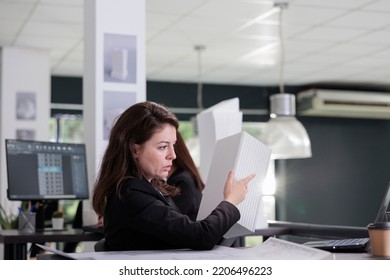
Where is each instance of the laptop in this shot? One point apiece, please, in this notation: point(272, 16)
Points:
point(350, 245)
point(353, 244)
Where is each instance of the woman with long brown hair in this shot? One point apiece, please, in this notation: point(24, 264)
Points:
point(131, 194)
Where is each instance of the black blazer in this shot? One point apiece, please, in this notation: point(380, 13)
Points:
point(190, 196)
point(142, 219)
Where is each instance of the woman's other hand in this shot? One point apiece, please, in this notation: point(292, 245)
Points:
point(100, 222)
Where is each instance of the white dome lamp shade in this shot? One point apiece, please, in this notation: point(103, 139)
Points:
point(284, 134)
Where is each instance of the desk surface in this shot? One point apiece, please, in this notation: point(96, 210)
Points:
point(355, 256)
point(15, 242)
point(68, 235)
point(334, 256)
point(276, 228)
point(271, 249)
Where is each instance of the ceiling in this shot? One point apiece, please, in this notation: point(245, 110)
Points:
point(332, 41)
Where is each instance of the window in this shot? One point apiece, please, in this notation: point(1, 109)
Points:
point(66, 128)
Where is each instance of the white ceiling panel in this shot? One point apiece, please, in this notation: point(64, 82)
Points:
point(50, 43)
point(52, 30)
point(310, 16)
point(62, 2)
point(179, 7)
point(329, 34)
point(343, 4)
point(9, 27)
point(377, 6)
point(381, 37)
point(60, 14)
point(228, 9)
point(363, 20)
point(15, 11)
point(160, 21)
point(351, 50)
point(324, 41)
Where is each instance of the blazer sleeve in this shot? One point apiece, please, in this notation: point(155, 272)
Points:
point(159, 220)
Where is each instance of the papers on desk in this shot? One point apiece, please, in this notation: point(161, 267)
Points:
point(278, 249)
point(271, 249)
point(70, 256)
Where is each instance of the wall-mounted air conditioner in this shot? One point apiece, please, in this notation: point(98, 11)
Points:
point(344, 103)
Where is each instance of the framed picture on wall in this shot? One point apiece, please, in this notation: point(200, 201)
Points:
point(26, 106)
point(25, 134)
point(114, 103)
point(120, 58)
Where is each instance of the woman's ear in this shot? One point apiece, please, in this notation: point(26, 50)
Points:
point(135, 149)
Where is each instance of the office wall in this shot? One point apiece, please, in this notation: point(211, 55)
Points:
point(253, 100)
point(345, 180)
point(342, 184)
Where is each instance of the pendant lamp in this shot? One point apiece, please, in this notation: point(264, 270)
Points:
point(283, 133)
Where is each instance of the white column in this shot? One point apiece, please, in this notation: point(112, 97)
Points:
point(25, 103)
point(114, 72)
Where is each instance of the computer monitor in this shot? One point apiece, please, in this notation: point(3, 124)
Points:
point(40, 171)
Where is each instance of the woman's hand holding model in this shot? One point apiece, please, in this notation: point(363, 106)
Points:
point(235, 191)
